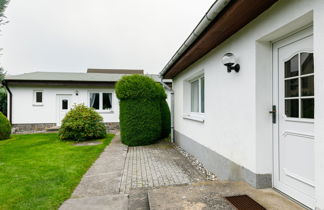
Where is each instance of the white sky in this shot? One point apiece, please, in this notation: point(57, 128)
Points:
point(73, 35)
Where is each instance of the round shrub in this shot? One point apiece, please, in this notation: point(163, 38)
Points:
point(140, 115)
point(82, 123)
point(5, 127)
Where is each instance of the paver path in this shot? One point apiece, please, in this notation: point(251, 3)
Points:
point(156, 165)
point(120, 170)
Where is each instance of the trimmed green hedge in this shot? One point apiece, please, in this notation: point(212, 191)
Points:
point(165, 119)
point(82, 123)
point(140, 109)
point(5, 127)
point(140, 121)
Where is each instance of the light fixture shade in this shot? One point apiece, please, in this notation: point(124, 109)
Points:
point(229, 59)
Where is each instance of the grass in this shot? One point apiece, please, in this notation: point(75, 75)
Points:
point(38, 171)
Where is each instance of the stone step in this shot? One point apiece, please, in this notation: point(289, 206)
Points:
point(106, 202)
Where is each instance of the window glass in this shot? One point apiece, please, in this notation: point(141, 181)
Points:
point(291, 67)
point(291, 88)
point(307, 86)
point(94, 100)
point(292, 108)
point(65, 104)
point(202, 94)
point(307, 110)
point(307, 63)
point(195, 96)
point(39, 97)
point(106, 101)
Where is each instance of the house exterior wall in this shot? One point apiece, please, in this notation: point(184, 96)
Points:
point(25, 112)
point(235, 138)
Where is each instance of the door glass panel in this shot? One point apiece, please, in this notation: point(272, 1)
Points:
point(291, 88)
point(307, 86)
point(291, 107)
point(291, 67)
point(307, 63)
point(65, 104)
point(307, 108)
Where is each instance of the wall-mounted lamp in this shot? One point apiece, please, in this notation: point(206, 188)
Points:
point(76, 92)
point(230, 61)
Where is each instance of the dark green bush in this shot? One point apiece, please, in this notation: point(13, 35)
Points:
point(140, 115)
point(3, 101)
point(165, 112)
point(165, 119)
point(140, 121)
point(82, 123)
point(5, 127)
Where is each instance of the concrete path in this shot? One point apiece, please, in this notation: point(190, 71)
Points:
point(99, 187)
point(209, 195)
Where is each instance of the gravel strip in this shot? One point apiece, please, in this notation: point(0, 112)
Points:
point(198, 165)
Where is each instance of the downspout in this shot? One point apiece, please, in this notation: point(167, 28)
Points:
point(210, 15)
point(172, 108)
point(10, 100)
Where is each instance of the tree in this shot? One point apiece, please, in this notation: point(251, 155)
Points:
point(3, 6)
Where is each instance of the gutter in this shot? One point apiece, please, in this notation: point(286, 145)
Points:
point(172, 108)
point(211, 14)
point(10, 100)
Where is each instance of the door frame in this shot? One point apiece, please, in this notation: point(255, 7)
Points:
point(58, 105)
point(284, 41)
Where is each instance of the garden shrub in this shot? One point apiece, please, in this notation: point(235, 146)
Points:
point(165, 112)
point(82, 123)
point(5, 127)
point(140, 115)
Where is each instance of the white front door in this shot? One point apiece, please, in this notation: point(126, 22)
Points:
point(293, 81)
point(63, 106)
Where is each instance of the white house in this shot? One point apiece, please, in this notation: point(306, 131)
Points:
point(261, 121)
point(40, 100)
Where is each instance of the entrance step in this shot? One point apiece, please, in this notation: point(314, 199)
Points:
point(53, 129)
point(106, 202)
point(210, 195)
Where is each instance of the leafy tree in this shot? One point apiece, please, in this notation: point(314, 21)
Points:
point(3, 5)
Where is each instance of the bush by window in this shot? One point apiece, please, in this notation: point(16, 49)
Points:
point(5, 127)
point(82, 123)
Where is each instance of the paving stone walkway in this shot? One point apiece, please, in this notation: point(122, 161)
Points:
point(156, 165)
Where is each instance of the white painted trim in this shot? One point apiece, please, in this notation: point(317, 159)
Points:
point(194, 117)
point(35, 103)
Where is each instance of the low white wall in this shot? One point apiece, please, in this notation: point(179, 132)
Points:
point(23, 110)
point(237, 124)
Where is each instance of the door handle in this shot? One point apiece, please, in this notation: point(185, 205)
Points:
point(274, 114)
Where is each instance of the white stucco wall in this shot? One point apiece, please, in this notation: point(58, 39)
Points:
point(237, 123)
point(24, 110)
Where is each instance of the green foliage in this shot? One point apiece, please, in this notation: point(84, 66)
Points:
point(3, 5)
point(140, 121)
point(38, 171)
point(140, 115)
point(5, 127)
point(3, 101)
point(82, 123)
point(136, 86)
point(165, 119)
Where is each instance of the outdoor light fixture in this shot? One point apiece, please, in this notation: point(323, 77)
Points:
point(230, 61)
point(76, 92)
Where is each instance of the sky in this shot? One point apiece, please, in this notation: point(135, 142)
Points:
point(74, 35)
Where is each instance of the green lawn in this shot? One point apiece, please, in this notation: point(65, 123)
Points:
point(38, 171)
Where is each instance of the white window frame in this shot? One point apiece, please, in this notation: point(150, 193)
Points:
point(199, 94)
point(187, 113)
point(101, 110)
point(35, 103)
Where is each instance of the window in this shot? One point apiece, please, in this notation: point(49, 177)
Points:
point(197, 96)
point(65, 104)
point(101, 101)
point(38, 97)
point(299, 86)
